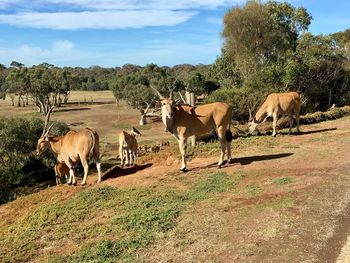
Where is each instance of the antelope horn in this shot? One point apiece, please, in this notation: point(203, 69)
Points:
point(47, 118)
point(49, 129)
point(250, 114)
point(157, 92)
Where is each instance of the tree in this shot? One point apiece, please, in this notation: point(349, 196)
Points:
point(18, 83)
point(225, 72)
point(321, 74)
point(3, 87)
point(16, 64)
point(259, 34)
point(133, 87)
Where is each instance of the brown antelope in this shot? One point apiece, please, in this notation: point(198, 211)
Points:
point(61, 170)
point(74, 146)
point(128, 146)
point(275, 105)
point(183, 121)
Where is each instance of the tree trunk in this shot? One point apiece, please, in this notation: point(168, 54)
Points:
point(143, 119)
point(12, 99)
point(23, 103)
point(143, 112)
point(19, 101)
point(59, 101)
point(66, 97)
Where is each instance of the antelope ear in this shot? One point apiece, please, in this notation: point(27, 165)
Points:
point(176, 103)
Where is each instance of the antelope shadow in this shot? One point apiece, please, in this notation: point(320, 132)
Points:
point(258, 158)
point(316, 131)
point(72, 109)
point(247, 160)
point(117, 171)
point(293, 133)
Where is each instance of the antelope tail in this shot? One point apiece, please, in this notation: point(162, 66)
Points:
point(228, 133)
point(93, 145)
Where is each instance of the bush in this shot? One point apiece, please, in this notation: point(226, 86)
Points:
point(241, 99)
point(18, 139)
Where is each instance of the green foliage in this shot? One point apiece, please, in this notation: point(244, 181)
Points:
point(259, 34)
point(18, 139)
point(266, 45)
point(241, 99)
point(319, 116)
point(224, 71)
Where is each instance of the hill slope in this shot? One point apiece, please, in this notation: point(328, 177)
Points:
point(281, 199)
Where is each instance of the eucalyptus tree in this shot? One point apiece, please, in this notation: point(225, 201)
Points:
point(261, 34)
point(18, 83)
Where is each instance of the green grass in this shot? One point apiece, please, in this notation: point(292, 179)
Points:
point(253, 190)
point(108, 224)
point(284, 180)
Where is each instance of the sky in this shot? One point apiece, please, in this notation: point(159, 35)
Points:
point(112, 33)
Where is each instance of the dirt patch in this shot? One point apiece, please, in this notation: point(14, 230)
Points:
point(289, 201)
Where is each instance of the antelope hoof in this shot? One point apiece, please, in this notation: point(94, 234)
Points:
point(83, 183)
point(184, 170)
point(69, 183)
point(75, 183)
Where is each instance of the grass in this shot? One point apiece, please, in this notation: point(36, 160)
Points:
point(117, 222)
point(127, 126)
point(253, 190)
point(284, 180)
point(96, 96)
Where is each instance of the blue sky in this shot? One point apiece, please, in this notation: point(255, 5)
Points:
point(111, 33)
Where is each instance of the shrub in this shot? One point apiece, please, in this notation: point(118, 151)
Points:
point(18, 139)
point(241, 99)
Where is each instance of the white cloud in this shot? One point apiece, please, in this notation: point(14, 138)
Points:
point(123, 4)
point(106, 14)
point(99, 19)
point(60, 51)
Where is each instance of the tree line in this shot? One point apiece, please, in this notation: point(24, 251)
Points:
point(266, 48)
point(45, 84)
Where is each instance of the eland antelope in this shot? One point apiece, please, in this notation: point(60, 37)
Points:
point(71, 148)
point(128, 146)
point(275, 105)
point(183, 121)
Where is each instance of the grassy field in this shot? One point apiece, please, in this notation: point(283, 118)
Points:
point(282, 199)
point(103, 114)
